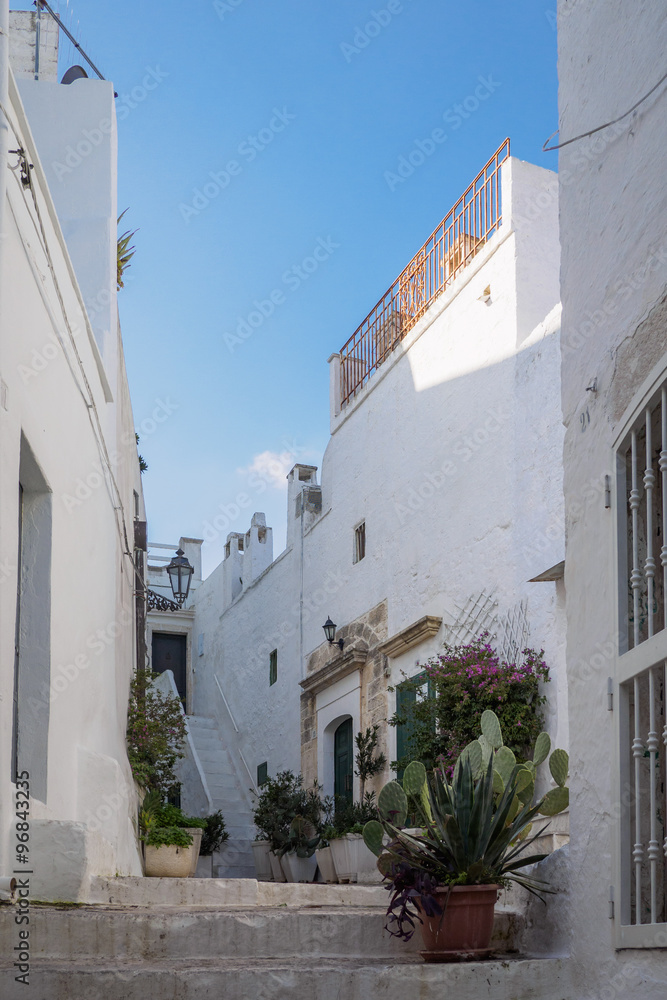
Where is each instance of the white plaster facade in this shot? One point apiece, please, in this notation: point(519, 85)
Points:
point(451, 456)
point(67, 437)
point(613, 219)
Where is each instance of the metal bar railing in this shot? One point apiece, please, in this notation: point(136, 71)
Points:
point(465, 229)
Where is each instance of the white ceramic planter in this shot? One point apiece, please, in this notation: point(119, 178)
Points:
point(276, 868)
point(261, 850)
point(299, 869)
point(168, 861)
point(326, 864)
point(204, 866)
point(196, 833)
point(351, 857)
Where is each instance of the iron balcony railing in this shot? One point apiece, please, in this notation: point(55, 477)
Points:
point(462, 233)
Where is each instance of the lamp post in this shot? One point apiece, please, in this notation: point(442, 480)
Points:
point(330, 633)
point(180, 575)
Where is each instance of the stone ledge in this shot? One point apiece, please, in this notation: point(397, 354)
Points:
point(419, 631)
point(346, 663)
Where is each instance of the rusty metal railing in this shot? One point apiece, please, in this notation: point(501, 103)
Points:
point(462, 233)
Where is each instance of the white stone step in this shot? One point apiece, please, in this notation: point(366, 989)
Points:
point(286, 977)
point(102, 933)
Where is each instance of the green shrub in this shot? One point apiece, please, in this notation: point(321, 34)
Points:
point(155, 736)
point(214, 833)
point(169, 836)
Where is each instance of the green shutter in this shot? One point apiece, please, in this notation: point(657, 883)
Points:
point(262, 773)
point(343, 761)
point(273, 667)
point(406, 696)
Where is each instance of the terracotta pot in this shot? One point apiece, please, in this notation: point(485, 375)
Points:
point(465, 928)
point(168, 861)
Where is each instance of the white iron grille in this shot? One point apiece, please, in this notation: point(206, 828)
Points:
point(642, 556)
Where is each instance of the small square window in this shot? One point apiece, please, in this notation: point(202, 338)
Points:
point(360, 542)
point(273, 667)
point(262, 773)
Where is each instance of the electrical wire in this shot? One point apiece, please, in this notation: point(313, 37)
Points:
point(546, 148)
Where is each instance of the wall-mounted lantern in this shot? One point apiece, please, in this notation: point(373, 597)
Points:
point(180, 575)
point(330, 633)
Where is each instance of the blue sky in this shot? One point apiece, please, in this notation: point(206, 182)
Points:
point(313, 104)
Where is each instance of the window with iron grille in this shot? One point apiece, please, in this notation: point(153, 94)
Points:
point(360, 542)
point(641, 508)
point(273, 667)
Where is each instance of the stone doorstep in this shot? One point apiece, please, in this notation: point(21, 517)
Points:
point(320, 979)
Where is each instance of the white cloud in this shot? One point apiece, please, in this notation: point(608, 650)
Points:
point(271, 466)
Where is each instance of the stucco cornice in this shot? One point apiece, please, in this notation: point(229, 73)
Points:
point(344, 664)
point(411, 636)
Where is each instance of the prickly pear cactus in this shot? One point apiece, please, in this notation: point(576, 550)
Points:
point(542, 748)
point(373, 834)
point(491, 729)
point(554, 801)
point(414, 778)
point(393, 804)
point(559, 765)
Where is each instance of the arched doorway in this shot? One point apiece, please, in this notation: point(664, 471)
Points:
point(343, 760)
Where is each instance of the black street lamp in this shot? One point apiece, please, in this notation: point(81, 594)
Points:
point(330, 633)
point(180, 575)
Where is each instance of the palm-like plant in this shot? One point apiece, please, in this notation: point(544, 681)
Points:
point(124, 252)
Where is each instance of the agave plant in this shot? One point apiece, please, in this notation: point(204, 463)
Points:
point(474, 831)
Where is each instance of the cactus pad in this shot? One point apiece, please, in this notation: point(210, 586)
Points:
point(373, 834)
point(542, 748)
point(393, 804)
point(559, 765)
point(414, 778)
point(554, 801)
point(491, 729)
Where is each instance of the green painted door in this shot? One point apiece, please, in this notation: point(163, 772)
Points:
point(406, 696)
point(343, 760)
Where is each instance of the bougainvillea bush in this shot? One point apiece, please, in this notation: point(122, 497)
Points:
point(462, 682)
point(155, 736)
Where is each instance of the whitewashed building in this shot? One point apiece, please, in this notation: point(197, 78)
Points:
point(440, 501)
point(613, 219)
point(70, 489)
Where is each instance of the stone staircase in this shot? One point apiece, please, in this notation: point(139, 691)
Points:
point(139, 939)
point(229, 786)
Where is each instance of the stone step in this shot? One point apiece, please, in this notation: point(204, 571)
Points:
point(280, 979)
point(106, 933)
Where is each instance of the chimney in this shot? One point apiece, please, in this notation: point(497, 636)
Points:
point(232, 568)
point(299, 478)
point(29, 58)
point(257, 549)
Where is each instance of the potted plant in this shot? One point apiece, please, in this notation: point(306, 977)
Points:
point(213, 835)
point(280, 800)
point(350, 854)
point(169, 815)
point(298, 854)
point(476, 826)
point(168, 852)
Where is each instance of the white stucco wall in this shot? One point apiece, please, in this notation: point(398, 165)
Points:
point(82, 440)
point(613, 217)
point(452, 456)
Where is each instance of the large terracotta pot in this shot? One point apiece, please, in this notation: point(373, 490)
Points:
point(465, 928)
